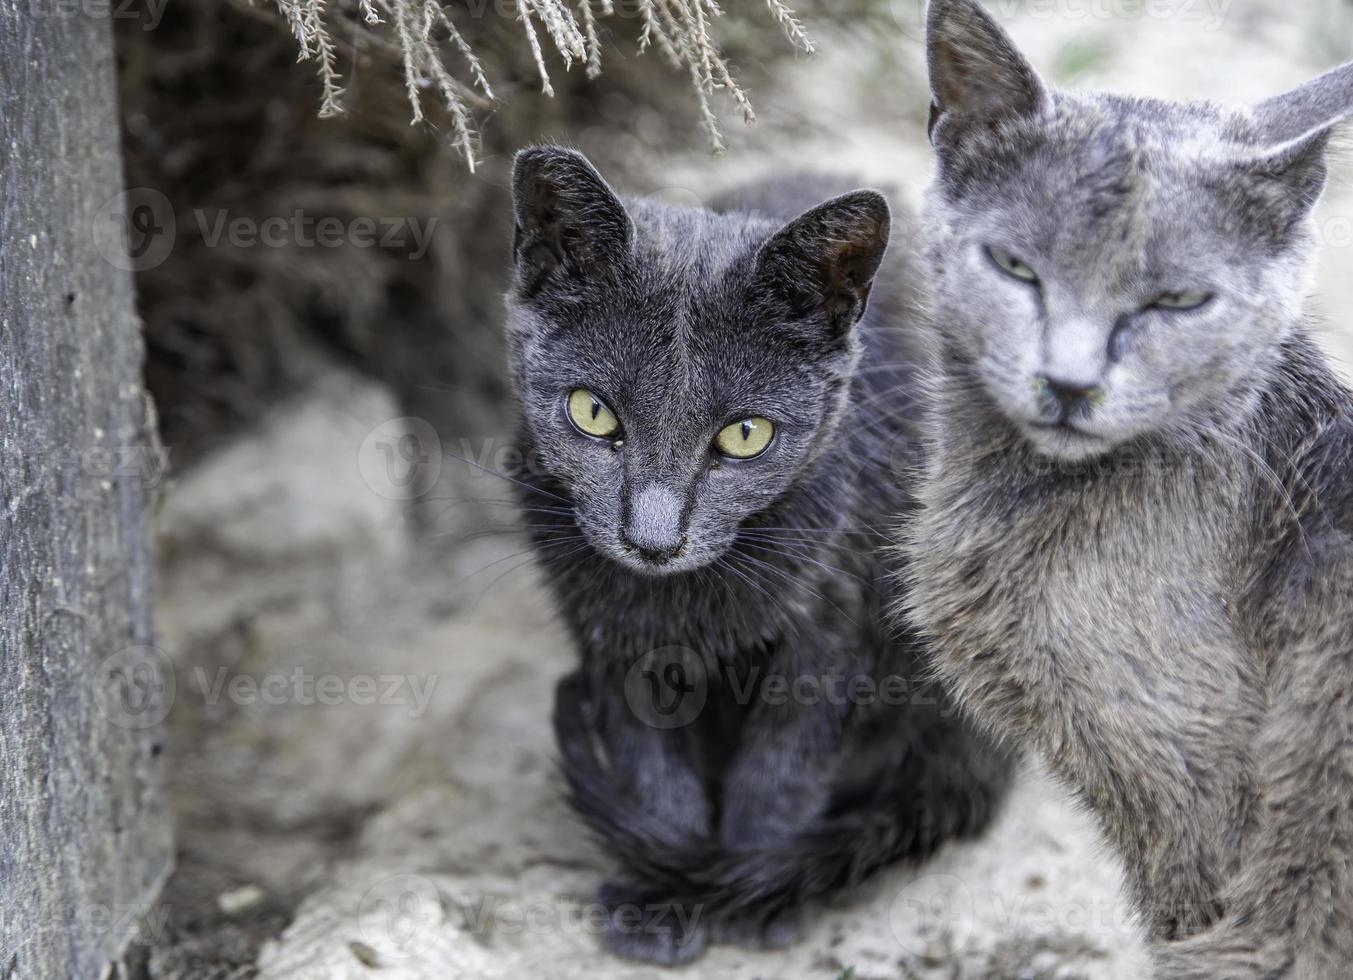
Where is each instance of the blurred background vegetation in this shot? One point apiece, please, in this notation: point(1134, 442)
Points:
point(219, 117)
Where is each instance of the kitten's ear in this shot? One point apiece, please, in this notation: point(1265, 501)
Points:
point(824, 261)
point(1294, 130)
point(567, 218)
point(1317, 105)
point(976, 72)
point(1297, 166)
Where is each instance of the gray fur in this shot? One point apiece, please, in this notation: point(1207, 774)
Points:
point(684, 320)
point(654, 522)
point(1160, 601)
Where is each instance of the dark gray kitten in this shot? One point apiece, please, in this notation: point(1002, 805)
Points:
point(712, 414)
point(1135, 550)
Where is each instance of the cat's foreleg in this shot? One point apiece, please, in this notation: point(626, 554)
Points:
point(644, 921)
point(656, 767)
point(1289, 909)
point(780, 778)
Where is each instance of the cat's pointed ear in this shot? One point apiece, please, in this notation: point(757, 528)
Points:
point(824, 261)
point(1317, 105)
point(976, 72)
point(568, 220)
point(1294, 131)
point(1298, 166)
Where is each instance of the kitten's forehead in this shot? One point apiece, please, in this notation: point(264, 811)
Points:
point(694, 245)
point(684, 331)
point(1101, 141)
point(1105, 183)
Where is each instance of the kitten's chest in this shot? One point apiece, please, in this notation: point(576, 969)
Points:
point(1057, 612)
point(1101, 627)
point(715, 617)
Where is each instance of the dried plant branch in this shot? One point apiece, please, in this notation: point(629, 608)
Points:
point(793, 27)
point(312, 18)
point(589, 19)
point(422, 29)
point(534, 42)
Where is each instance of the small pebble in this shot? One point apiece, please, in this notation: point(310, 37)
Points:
point(365, 955)
point(935, 954)
point(239, 899)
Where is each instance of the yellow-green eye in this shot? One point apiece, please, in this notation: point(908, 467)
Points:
point(745, 439)
point(1185, 299)
point(1011, 266)
point(591, 415)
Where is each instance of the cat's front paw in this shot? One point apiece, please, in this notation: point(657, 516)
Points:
point(1225, 951)
point(664, 933)
point(756, 932)
point(676, 797)
point(751, 822)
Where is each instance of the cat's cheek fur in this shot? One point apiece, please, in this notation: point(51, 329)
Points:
point(1000, 334)
point(570, 456)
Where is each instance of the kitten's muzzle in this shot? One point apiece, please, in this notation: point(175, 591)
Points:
point(657, 556)
point(1068, 399)
point(655, 523)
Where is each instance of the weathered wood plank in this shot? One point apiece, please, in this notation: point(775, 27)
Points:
point(84, 828)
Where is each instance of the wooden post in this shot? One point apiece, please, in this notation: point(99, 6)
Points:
point(85, 838)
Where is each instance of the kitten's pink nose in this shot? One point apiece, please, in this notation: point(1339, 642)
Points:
point(654, 524)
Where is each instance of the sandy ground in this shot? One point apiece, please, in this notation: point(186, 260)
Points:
point(364, 775)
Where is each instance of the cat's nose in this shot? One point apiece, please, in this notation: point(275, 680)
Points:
point(1070, 397)
point(654, 525)
point(658, 555)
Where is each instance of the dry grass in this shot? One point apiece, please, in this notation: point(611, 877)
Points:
point(425, 34)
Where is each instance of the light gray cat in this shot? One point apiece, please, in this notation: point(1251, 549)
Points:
point(1136, 545)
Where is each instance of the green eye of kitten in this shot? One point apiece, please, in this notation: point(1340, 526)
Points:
point(1011, 266)
point(1186, 299)
point(590, 415)
point(745, 439)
